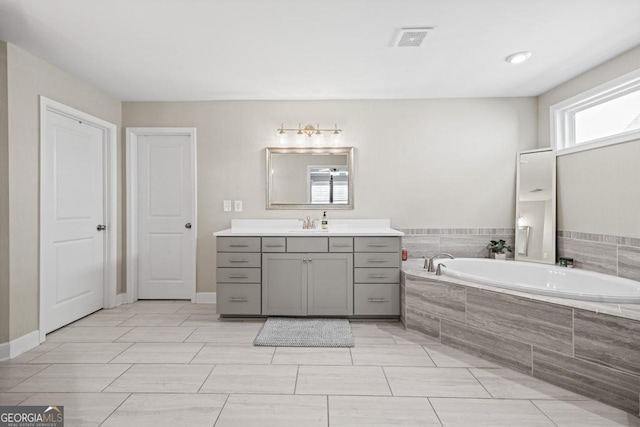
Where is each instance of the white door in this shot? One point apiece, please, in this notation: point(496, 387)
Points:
point(165, 217)
point(72, 212)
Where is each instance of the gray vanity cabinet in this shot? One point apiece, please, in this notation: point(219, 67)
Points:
point(284, 284)
point(238, 276)
point(308, 276)
point(377, 276)
point(330, 284)
point(314, 284)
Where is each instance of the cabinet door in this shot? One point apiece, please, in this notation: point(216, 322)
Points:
point(330, 284)
point(284, 285)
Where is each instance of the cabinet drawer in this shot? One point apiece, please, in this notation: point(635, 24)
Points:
point(307, 244)
point(376, 299)
point(238, 298)
point(340, 244)
point(377, 275)
point(273, 244)
point(238, 244)
point(238, 275)
point(230, 259)
point(377, 244)
point(377, 260)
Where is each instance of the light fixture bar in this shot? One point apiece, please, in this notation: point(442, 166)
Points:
point(308, 130)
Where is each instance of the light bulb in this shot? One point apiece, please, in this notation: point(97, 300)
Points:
point(282, 137)
point(335, 138)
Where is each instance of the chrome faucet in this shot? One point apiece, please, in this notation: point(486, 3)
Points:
point(428, 262)
point(308, 223)
point(439, 269)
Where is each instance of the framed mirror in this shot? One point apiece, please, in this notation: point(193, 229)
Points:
point(310, 178)
point(536, 206)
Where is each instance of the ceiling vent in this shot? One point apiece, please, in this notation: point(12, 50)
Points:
point(411, 37)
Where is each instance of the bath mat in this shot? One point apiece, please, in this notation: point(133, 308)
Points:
point(295, 332)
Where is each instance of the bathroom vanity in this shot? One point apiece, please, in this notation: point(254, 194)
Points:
point(275, 268)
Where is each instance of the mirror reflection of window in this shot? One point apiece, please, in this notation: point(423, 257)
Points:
point(328, 184)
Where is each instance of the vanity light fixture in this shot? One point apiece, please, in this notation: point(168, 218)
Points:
point(282, 137)
point(315, 133)
point(518, 57)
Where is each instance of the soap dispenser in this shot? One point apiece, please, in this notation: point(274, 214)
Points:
point(325, 222)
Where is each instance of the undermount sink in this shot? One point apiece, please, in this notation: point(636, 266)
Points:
point(310, 230)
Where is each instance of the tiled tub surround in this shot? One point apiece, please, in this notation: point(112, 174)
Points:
point(460, 242)
point(615, 255)
point(586, 347)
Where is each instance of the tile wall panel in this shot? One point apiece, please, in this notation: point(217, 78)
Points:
point(593, 256)
point(521, 319)
point(505, 351)
point(608, 340)
point(598, 382)
point(443, 300)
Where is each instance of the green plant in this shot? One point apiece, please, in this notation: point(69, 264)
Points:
point(498, 247)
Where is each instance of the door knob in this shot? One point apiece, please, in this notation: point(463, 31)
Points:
point(187, 225)
point(101, 227)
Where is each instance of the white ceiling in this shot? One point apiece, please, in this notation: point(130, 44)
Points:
point(330, 49)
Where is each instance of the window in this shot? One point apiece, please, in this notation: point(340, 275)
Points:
point(605, 115)
point(328, 185)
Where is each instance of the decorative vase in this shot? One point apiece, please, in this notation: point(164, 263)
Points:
point(501, 256)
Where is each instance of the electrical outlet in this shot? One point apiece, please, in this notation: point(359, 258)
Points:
point(227, 205)
point(238, 205)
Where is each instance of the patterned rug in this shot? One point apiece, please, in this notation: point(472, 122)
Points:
point(302, 332)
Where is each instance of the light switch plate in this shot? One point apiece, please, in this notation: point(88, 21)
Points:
point(238, 205)
point(227, 205)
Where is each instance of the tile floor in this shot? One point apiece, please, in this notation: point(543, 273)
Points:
point(174, 363)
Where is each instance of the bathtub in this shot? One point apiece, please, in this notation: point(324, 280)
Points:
point(543, 279)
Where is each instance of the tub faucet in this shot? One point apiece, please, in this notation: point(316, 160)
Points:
point(428, 262)
point(439, 269)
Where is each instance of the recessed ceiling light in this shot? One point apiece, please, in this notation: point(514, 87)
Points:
point(518, 57)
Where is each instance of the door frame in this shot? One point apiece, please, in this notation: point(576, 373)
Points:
point(110, 182)
point(132, 196)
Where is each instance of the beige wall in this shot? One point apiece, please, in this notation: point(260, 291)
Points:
point(598, 189)
point(29, 77)
point(4, 199)
point(421, 163)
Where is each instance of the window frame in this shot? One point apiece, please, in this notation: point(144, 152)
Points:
point(562, 115)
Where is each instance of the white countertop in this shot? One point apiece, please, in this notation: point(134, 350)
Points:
point(293, 227)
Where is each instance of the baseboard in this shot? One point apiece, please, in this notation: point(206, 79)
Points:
point(21, 344)
point(4, 351)
point(122, 298)
point(205, 298)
